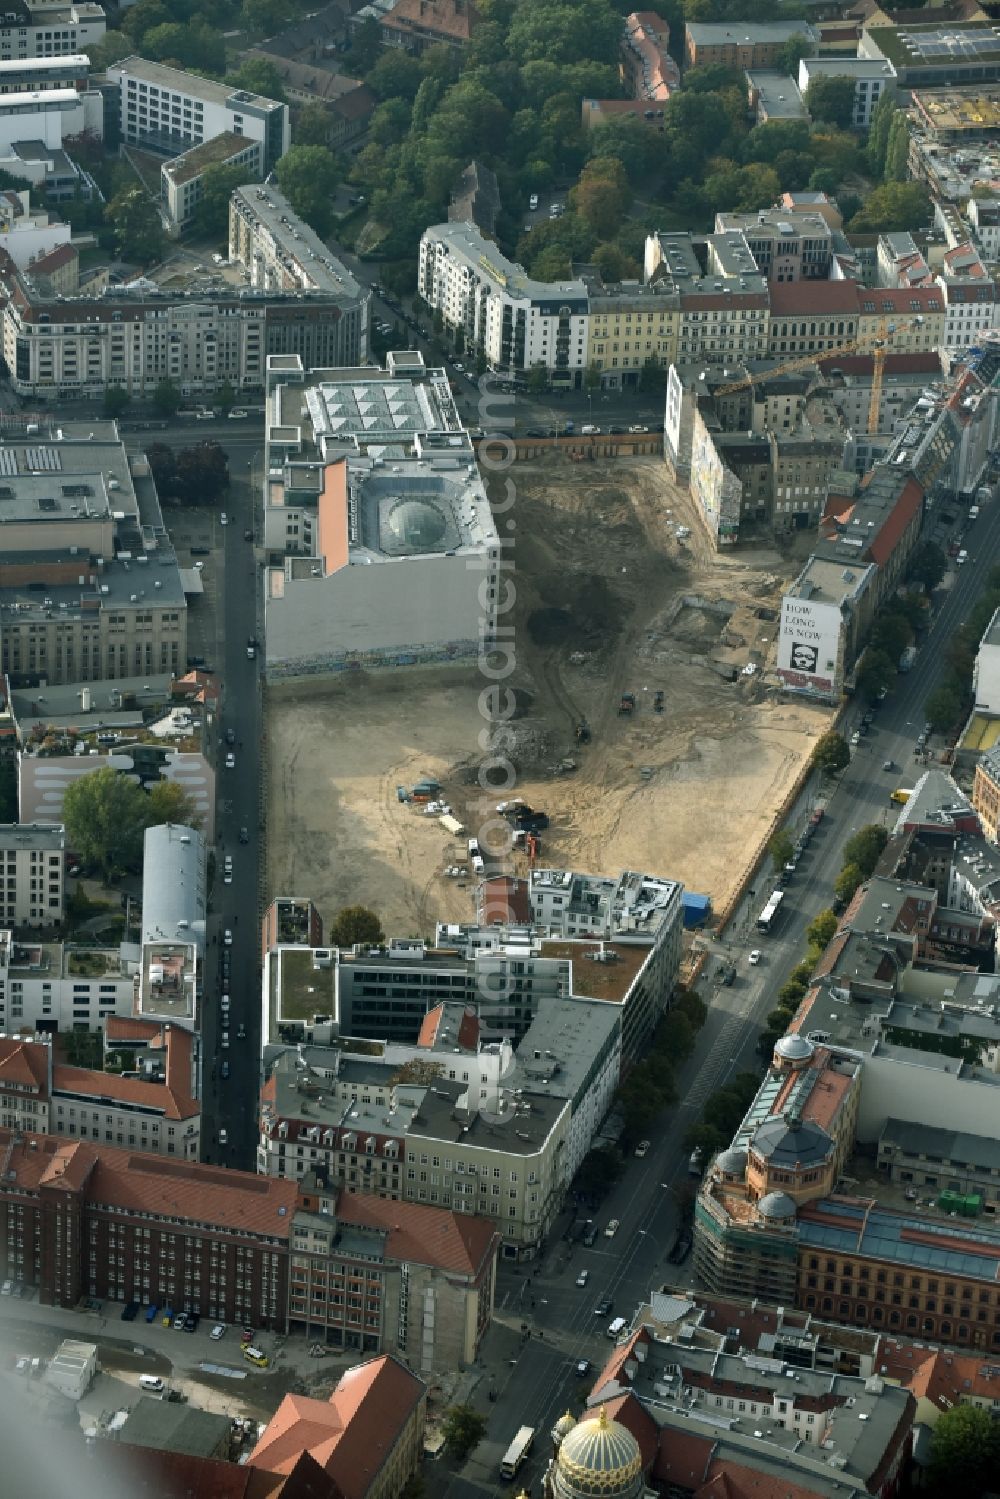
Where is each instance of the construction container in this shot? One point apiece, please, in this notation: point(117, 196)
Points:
point(696, 908)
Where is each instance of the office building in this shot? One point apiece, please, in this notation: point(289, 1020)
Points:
point(742, 44)
point(34, 28)
point(33, 861)
point(934, 54)
point(390, 551)
point(787, 245)
point(89, 584)
point(166, 111)
point(871, 77)
point(51, 986)
point(182, 178)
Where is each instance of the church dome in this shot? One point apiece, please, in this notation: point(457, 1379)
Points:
point(563, 1427)
point(732, 1161)
point(598, 1458)
point(776, 1205)
point(794, 1048)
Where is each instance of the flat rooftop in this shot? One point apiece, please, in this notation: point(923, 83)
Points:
point(601, 970)
point(217, 150)
point(850, 1226)
point(466, 244)
point(176, 80)
point(304, 256)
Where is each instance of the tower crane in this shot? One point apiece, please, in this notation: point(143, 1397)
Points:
point(876, 343)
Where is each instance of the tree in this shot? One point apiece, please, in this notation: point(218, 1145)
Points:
point(211, 214)
point(538, 379)
point(135, 220)
point(356, 924)
point(105, 815)
point(894, 206)
point(561, 33)
point(832, 99)
point(847, 881)
point(795, 49)
point(691, 1005)
point(876, 672)
point(8, 789)
point(202, 473)
point(831, 753)
point(116, 400)
point(781, 848)
point(675, 1037)
point(598, 1173)
point(965, 1450)
point(602, 195)
point(259, 76)
point(225, 399)
point(821, 929)
point(892, 634)
point(463, 1428)
point(312, 125)
point(943, 707)
point(396, 75)
point(928, 565)
point(167, 398)
point(864, 848)
point(167, 801)
point(307, 175)
point(190, 44)
point(269, 16)
point(790, 994)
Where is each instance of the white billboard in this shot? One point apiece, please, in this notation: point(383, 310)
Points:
point(809, 643)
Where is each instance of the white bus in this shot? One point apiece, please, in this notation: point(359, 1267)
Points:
point(517, 1452)
point(767, 917)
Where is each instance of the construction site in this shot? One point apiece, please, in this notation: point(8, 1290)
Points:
point(644, 723)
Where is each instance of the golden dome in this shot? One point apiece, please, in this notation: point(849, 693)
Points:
point(564, 1425)
point(599, 1457)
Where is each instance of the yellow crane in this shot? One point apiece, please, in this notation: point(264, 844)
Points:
point(877, 343)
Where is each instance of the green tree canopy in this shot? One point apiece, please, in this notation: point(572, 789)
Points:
point(354, 924)
point(188, 45)
point(965, 1451)
point(894, 206)
point(928, 565)
point(821, 929)
point(781, 847)
point(106, 813)
point(463, 1428)
point(167, 801)
point(864, 848)
point(832, 99)
point(561, 33)
point(847, 881)
point(135, 219)
point(312, 125)
point(944, 707)
point(259, 76)
point(167, 398)
point(876, 671)
point(396, 75)
point(831, 753)
point(218, 183)
point(116, 399)
point(308, 176)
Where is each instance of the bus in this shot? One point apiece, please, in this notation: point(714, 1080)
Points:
point(517, 1452)
point(767, 917)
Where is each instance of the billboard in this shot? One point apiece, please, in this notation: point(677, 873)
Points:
point(809, 644)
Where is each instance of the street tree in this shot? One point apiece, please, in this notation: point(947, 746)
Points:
point(847, 881)
point(538, 379)
point(864, 848)
point(105, 814)
point(135, 220)
point(463, 1429)
point(308, 177)
point(167, 398)
point(356, 924)
point(821, 929)
point(791, 992)
point(190, 44)
point(688, 1003)
point(876, 672)
point(598, 1173)
point(831, 753)
point(892, 633)
point(116, 400)
point(943, 707)
point(928, 565)
point(674, 1037)
point(781, 848)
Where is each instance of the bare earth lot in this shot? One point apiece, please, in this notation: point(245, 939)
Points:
point(608, 601)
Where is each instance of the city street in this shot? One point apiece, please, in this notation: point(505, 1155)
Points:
point(543, 1383)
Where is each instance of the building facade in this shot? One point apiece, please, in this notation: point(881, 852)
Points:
point(33, 861)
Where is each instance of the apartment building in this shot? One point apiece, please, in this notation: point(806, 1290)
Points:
point(648, 71)
point(155, 1111)
point(84, 1219)
point(182, 178)
point(630, 327)
point(174, 915)
point(516, 321)
point(283, 257)
point(56, 29)
point(911, 318)
point(872, 79)
point(89, 584)
point(972, 306)
point(32, 863)
point(722, 298)
point(166, 111)
point(812, 317)
point(51, 986)
point(742, 44)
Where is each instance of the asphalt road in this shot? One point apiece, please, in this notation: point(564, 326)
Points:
point(542, 1382)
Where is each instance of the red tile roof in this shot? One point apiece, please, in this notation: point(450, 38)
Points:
point(24, 1064)
point(170, 1102)
point(427, 1034)
point(728, 1479)
point(124, 1028)
point(911, 497)
point(900, 299)
point(54, 259)
point(151, 1473)
point(683, 1460)
point(806, 298)
point(424, 1235)
point(351, 1435)
point(504, 898)
point(928, 363)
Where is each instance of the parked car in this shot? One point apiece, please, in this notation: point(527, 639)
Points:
point(755, 957)
point(244, 836)
point(611, 1229)
point(583, 1277)
point(218, 1332)
point(583, 1368)
point(227, 937)
point(225, 1071)
point(682, 1248)
point(230, 761)
point(603, 1307)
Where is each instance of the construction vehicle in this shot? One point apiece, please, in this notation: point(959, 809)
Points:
point(658, 702)
point(582, 732)
point(626, 705)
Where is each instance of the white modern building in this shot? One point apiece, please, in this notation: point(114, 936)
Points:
point(29, 234)
point(166, 110)
point(35, 28)
point(32, 860)
point(174, 904)
point(182, 178)
point(518, 322)
point(390, 553)
point(872, 78)
point(51, 986)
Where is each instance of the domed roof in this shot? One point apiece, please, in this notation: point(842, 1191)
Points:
point(776, 1205)
point(599, 1457)
point(418, 524)
point(789, 1141)
point(564, 1425)
point(794, 1048)
point(732, 1161)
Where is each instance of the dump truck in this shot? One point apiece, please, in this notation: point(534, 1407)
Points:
point(626, 704)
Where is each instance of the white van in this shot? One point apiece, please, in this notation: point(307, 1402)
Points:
point(617, 1327)
point(477, 864)
point(151, 1384)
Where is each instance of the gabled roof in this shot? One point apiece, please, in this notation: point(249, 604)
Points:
point(23, 1064)
point(423, 1235)
point(350, 1435)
